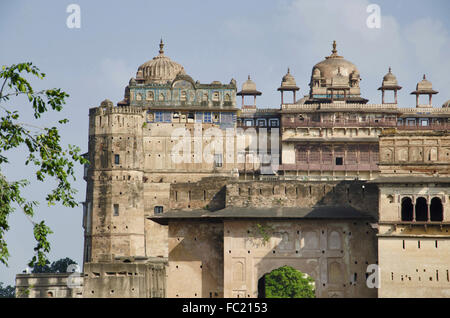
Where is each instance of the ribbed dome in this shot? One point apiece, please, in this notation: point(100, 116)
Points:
point(160, 69)
point(332, 65)
point(446, 104)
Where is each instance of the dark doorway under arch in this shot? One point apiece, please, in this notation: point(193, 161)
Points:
point(262, 286)
point(421, 209)
point(407, 209)
point(436, 210)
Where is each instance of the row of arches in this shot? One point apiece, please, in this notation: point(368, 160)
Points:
point(422, 211)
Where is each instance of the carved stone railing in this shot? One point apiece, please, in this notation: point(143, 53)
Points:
point(340, 106)
point(342, 123)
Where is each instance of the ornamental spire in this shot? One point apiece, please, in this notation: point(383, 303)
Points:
point(161, 47)
point(334, 51)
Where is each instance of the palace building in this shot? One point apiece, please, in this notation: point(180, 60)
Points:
point(326, 183)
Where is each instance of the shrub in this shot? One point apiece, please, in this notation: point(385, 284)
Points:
point(287, 282)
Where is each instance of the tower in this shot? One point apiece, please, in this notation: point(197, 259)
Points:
point(114, 224)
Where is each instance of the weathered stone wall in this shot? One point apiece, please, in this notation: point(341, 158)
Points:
point(130, 280)
point(208, 194)
point(415, 153)
point(196, 262)
point(358, 194)
point(334, 253)
point(216, 193)
point(48, 285)
point(416, 264)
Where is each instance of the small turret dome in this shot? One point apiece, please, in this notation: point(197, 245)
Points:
point(424, 84)
point(107, 103)
point(288, 81)
point(446, 104)
point(424, 87)
point(389, 80)
point(249, 85)
point(249, 88)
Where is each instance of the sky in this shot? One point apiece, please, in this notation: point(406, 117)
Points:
point(213, 40)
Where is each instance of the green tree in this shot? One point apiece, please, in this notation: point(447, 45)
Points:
point(7, 291)
point(43, 150)
point(59, 266)
point(287, 282)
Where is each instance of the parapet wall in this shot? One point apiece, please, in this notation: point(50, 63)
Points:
point(130, 280)
point(214, 193)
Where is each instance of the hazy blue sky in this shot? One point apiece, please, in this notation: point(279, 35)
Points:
point(213, 40)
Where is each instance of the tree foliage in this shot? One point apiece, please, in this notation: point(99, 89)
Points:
point(7, 291)
point(287, 282)
point(59, 266)
point(43, 150)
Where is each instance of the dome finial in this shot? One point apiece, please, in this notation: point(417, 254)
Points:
point(424, 77)
point(334, 51)
point(161, 47)
point(249, 77)
point(390, 69)
point(289, 71)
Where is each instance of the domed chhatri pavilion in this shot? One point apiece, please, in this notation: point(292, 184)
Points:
point(346, 184)
point(335, 79)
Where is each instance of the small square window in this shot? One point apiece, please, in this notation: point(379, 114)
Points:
point(273, 123)
point(116, 209)
point(117, 159)
point(339, 161)
point(158, 209)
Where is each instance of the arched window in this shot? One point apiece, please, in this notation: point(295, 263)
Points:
point(421, 209)
point(205, 97)
point(436, 210)
point(407, 209)
point(161, 97)
point(227, 98)
point(215, 97)
point(138, 96)
point(150, 96)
